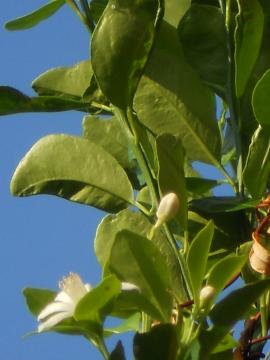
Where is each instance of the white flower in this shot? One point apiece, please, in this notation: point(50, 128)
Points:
point(167, 209)
point(72, 291)
point(126, 286)
point(207, 294)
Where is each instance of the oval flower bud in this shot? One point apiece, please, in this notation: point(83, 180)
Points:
point(207, 294)
point(168, 208)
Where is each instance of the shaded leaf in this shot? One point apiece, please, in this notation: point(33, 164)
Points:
point(203, 36)
point(120, 46)
point(137, 260)
point(67, 82)
point(197, 258)
point(175, 10)
point(118, 352)
point(228, 311)
point(159, 343)
point(137, 223)
point(130, 324)
point(37, 299)
point(170, 176)
point(222, 204)
point(248, 39)
point(171, 99)
point(257, 168)
point(13, 101)
point(97, 7)
point(260, 100)
point(200, 186)
point(94, 306)
point(73, 168)
point(34, 18)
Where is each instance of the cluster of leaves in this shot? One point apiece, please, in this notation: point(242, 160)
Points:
point(149, 92)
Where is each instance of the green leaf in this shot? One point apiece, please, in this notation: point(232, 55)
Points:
point(130, 324)
point(197, 258)
point(228, 311)
point(228, 342)
point(109, 134)
point(175, 10)
point(37, 299)
point(97, 7)
point(159, 343)
point(260, 100)
point(13, 101)
point(200, 186)
point(118, 352)
point(171, 99)
point(203, 36)
point(137, 223)
point(223, 271)
point(248, 39)
point(219, 204)
point(30, 20)
point(67, 82)
point(75, 169)
point(171, 178)
point(120, 47)
point(257, 168)
point(94, 306)
point(137, 260)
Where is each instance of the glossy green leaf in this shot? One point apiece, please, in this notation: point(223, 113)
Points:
point(34, 18)
point(68, 82)
point(130, 324)
point(75, 169)
point(200, 186)
point(170, 176)
point(228, 342)
point(248, 39)
point(229, 310)
point(175, 10)
point(197, 258)
point(13, 101)
point(257, 167)
point(223, 271)
point(219, 204)
point(37, 299)
point(97, 7)
point(171, 99)
point(118, 352)
point(159, 343)
point(260, 100)
point(109, 134)
point(96, 303)
point(203, 36)
point(120, 47)
point(137, 260)
point(139, 224)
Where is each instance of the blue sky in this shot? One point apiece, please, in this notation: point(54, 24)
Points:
point(42, 238)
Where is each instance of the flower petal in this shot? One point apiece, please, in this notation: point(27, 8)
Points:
point(128, 286)
point(63, 297)
point(56, 307)
point(53, 320)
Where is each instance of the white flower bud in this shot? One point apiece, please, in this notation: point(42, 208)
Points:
point(207, 294)
point(168, 208)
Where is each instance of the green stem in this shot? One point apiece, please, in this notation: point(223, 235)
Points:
point(146, 322)
point(88, 15)
point(231, 96)
point(137, 150)
point(77, 11)
point(101, 106)
point(264, 314)
point(103, 349)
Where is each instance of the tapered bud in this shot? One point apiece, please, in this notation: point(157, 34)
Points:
point(206, 296)
point(168, 208)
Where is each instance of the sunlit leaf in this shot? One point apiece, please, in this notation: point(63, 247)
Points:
point(171, 99)
point(257, 167)
point(137, 260)
point(120, 46)
point(130, 324)
point(260, 100)
point(34, 18)
point(73, 168)
point(197, 258)
point(37, 299)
